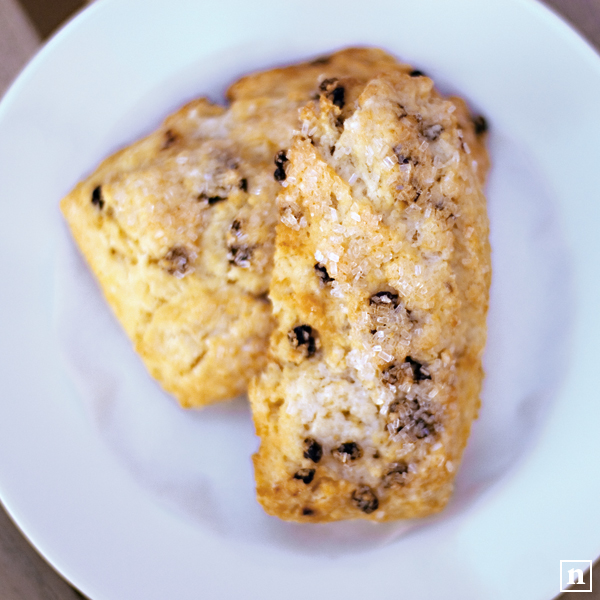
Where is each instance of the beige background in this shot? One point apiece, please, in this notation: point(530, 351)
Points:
point(24, 575)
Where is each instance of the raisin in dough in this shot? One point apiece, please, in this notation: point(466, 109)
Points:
point(179, 229)
point(380, 291)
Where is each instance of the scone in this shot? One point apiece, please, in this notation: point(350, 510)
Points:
point(179, 229)
point(380, 291)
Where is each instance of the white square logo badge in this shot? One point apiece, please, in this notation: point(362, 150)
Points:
point(576, 574)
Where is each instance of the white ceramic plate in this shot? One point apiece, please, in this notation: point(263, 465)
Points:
point(129, 496)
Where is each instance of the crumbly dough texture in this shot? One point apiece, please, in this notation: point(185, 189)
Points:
point(380, 291)
point(179, 229)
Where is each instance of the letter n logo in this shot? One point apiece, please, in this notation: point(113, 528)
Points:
point(575, 575)
point(572, 573)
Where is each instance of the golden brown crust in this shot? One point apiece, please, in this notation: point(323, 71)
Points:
point(380, 290)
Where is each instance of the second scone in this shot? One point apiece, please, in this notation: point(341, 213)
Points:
point(380, 291)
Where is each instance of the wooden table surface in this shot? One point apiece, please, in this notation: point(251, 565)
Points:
point(24, 575)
